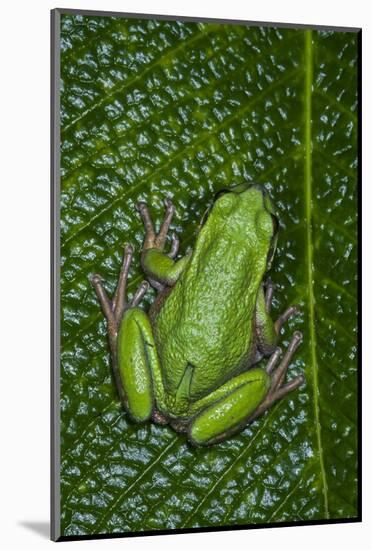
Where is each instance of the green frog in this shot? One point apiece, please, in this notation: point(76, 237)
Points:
point(192, 361)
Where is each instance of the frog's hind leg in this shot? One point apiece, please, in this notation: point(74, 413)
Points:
point(135, 362)
point(114, 309)
point(227, 410)
point(277, 373)
point(239, 401)
point(139, 367)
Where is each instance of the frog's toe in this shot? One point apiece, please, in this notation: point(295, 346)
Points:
point(95, 279)
point(289, 387)
point(150, 235)
point(139, 293)
point(169, 204)
point(129, 250)
point(270, 288)
point(174, 246)
point(164, 229)
point(140, 205)
point(286, 315)
point(278, 375)
point(273, 360)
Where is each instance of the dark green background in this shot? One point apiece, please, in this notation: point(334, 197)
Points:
point(155, 108)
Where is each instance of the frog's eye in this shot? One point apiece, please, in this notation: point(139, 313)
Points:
point(272, 251)
point(276, 224)
point(225, 204)
point(217, 196)
point(273, 243)
point(220, 193)
point(237, 189)
point(205, 215)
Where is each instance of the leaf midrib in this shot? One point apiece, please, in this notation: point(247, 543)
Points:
point(308, 91)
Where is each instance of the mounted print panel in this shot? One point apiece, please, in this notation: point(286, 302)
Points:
point(205, 261)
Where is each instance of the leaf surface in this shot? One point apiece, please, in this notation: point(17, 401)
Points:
point(154, 108)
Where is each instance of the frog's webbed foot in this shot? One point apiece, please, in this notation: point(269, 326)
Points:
point(158, 240)
point(277, 373)
point(115, 308)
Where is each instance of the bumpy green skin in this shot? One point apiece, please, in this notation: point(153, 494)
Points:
point(191, 363)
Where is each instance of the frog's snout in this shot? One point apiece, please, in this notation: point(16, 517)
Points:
point(259, 187)
point(225, 204)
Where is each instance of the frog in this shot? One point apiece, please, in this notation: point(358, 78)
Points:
point(194, 360)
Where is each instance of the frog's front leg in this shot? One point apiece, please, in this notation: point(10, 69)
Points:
point(161, 268)
point(134, 357)
point(232, 406)
point(267, 329)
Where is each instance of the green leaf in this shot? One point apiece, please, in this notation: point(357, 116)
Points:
point(154, 108)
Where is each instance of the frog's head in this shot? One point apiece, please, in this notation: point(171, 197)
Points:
point(247, 213)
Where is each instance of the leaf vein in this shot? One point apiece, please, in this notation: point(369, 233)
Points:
point(228, 469)
point(204, 136)
point(182, 45)
point(122, 495)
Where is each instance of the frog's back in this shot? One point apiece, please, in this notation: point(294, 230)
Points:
point(207, 320)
